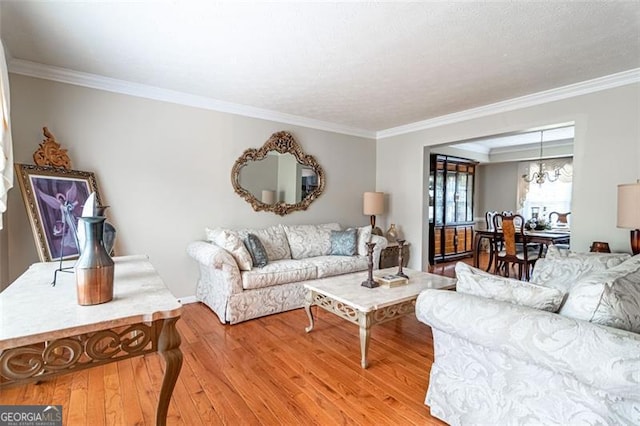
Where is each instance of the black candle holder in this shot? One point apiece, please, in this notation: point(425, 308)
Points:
point(370, 283)
point(400, 259)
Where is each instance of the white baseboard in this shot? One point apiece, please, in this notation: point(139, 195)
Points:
point(186, 300)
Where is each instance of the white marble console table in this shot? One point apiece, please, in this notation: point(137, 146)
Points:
point(45, 333)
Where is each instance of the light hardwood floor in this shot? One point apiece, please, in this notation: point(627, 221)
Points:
point(264, 371)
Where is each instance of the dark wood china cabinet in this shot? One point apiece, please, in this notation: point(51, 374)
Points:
point(451, 184)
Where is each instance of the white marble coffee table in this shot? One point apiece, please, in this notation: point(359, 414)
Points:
point(344, 296)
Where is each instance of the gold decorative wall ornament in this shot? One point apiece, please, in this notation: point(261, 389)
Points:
point(50, 154)
point(280, 169)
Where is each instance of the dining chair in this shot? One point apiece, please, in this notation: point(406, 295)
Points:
point(516, 248)
point(562, 218)
point(488, 217)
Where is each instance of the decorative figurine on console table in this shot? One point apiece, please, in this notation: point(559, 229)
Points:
point(400, 259)
point(370, 283)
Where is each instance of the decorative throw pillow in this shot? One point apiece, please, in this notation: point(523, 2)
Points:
point(231, 242)
point(608, 260)
point(479, 283)
point(273, 239)
point(257, 251)
point(610, 297)
point(561, 269)
point(364, 237)
point(343, 243)
point(310, 240)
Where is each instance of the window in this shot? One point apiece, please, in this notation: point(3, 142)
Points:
point(549, 196)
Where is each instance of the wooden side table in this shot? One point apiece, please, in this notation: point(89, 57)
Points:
point(389, 256)
point(45, 333)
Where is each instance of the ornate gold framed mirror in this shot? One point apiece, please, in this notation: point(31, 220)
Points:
point(279, 177)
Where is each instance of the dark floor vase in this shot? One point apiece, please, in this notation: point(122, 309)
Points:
point(94, 269)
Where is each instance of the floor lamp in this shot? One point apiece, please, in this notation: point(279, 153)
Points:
point(629, 212)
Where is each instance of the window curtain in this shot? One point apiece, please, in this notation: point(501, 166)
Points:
point(528, 168)
point(6, 145)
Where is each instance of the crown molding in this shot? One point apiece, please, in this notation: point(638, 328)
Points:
point(532, 146)
point(64, 75)
point(77, 78)
point(564, 92)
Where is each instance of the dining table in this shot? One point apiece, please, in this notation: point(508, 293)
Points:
point(543, 237)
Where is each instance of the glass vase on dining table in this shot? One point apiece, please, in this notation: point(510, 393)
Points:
point(535, 211)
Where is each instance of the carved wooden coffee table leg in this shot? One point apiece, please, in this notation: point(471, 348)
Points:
point(364, 320)
point(307, 308)
point(169, 347)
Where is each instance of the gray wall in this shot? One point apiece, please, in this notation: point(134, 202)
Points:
point(496, 188)
point(165, 170)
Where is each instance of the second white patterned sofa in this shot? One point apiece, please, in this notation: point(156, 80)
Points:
point(237, 290)
point(504, 356)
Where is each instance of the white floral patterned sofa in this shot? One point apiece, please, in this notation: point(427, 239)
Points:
point(237, 290)
point(503, 356)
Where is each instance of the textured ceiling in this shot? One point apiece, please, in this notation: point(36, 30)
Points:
point(370, 66)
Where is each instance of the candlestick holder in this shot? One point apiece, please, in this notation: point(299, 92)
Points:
point(370, 283)
point(401, 259)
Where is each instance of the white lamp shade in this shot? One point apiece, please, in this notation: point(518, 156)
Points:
point(629, 206)
point(268, 196)
point(373, 203)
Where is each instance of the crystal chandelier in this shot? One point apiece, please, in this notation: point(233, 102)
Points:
point(541, 175)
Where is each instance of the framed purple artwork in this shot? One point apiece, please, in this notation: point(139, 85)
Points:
point(54, 199)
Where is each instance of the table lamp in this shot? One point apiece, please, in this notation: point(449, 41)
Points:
point(629, 212)
point(373, 205)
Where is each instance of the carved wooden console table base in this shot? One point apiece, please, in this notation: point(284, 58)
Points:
point(44, 333)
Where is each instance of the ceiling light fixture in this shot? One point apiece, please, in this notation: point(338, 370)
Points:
point(541, 175)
